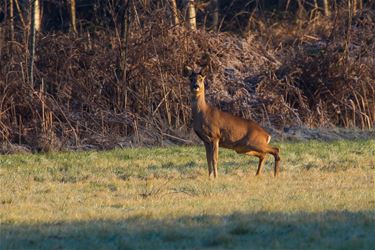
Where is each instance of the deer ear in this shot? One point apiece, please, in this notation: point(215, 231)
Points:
point(187, 71)
point(204, 71)
point(204, 62)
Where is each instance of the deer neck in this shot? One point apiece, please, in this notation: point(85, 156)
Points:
point(199, 103)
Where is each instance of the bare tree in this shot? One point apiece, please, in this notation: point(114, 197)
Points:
point(125, 37)
point(316, 6)
point(36, 14)
point(11, 16)
point(20, 14)
point(73, 22)
point(215, 14)
point(33, 29)
point(327, 11)
point(174, 12)
point(356, 4)
point(192, 15)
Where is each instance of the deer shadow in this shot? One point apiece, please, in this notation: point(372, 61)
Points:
point(261, 230)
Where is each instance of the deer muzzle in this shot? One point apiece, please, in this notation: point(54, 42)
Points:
point(195, 87)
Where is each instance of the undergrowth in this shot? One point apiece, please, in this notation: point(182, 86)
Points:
point(313, 71)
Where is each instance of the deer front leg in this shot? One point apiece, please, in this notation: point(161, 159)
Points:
point(215, 156)
point(209, 156)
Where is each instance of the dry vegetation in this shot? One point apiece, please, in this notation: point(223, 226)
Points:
point(161, 198)
point(307, 70)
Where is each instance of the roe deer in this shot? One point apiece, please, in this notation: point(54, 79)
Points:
point(217, 128)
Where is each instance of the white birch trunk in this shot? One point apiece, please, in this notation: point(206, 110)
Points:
point(73, 21)
point(37, 16)
point(192, 16)
point(173, 4)
point(327, 11)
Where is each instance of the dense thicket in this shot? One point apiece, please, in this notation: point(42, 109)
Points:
point(118, 80)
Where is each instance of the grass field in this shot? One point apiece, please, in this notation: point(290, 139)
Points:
point(161, 198)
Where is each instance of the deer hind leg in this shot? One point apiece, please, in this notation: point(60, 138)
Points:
point(209, 156)
point(277, 160)
point(261, 156)
point(275, 152)
point(262, 150)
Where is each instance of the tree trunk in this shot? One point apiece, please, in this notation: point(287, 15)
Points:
point(192, 16)
point(2, 38)
point(125, 38)
point(73, 21)
point(360, 5)
point(33, 29)
point(357, 4)
point(287, 5)
point(316, 6)
point(215, 14)
point(11, 16)
point(20, 14)
point(327, 11)
point(301, 12)
point(36, 14)
point(122, 90)
point(174, 12)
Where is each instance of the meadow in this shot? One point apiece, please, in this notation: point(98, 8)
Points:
point(162, 198)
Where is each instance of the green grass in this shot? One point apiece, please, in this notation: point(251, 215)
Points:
point(162, 198)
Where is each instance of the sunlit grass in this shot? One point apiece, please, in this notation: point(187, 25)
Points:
point(162, 198)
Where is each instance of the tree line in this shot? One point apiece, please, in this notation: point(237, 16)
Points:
point(80, 71)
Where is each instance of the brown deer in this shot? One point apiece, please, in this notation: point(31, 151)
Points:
point(217, 128)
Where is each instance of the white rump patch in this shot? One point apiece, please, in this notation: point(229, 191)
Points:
point(269, 139)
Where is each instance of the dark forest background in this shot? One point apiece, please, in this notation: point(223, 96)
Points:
point(80, 74)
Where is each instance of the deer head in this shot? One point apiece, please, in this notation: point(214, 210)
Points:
point(197, 77)
point(196, 80)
